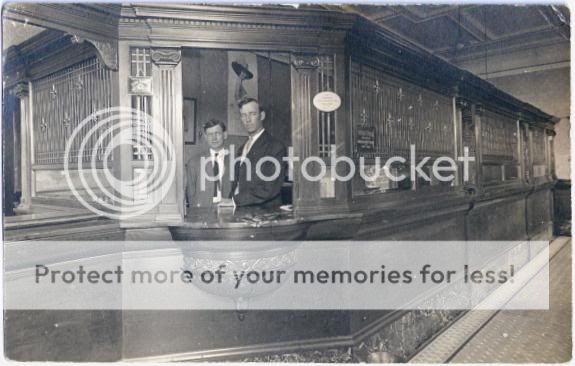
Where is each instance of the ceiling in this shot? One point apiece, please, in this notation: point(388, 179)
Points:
point(448, 31)
point(14, 33)
point(452, 31)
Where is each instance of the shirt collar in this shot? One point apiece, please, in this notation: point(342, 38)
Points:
point(222, 152)
point(257, 136)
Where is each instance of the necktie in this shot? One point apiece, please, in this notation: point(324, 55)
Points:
point(217, 174)
point(247, 148)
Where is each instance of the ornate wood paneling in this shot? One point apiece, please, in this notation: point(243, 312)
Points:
point(401, 114)
point(499, 148)
point(469, 138)
point(539, 153)
point(61, 101)
point(499, 140)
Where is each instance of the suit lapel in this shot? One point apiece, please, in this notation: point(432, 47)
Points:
point(257, 147)
point(204, 197)
point(256, 151)
point(226, 176)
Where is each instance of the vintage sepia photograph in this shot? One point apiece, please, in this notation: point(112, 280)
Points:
point(310, 183)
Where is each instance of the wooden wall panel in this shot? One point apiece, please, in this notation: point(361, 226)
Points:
point(539, 214)
point(401, 113)
point(219, 332)
point(502, 219)
point(61, 101)
point(64, 335)
point(381, 227)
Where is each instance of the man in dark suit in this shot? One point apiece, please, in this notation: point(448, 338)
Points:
point(208, 178)
point(260, 171)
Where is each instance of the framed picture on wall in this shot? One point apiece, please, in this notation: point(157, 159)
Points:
point(189, 110)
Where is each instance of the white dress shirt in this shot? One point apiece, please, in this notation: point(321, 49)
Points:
point(220, 157)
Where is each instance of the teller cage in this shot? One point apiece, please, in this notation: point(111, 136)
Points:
point(331, 84)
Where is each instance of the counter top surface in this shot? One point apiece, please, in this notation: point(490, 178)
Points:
point(205, 218)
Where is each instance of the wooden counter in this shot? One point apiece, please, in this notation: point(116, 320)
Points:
point(254, 223)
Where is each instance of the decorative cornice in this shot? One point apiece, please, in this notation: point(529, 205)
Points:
point(94, 22)
point(166, 56)
point(107, 50)
point(208, 23)
point(479, 110)
point(462, 102)
point(20, 90)
point(260, 15)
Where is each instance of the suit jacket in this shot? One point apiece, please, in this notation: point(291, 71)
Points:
point(258, 191)
point(194, 193)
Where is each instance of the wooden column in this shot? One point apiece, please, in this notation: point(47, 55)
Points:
point(529, 161)
point(21, 91)
point(458, 105)
point(343, 129)
point(304, 130)
point(551, 153)
point(9, 112)
point(167, 111)
point(477, 113)
point(521, 147)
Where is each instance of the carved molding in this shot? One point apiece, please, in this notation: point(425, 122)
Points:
point(330, 355)
point(551, 132)
point(107, 50)
point(479, 110)
point(20, 90)
point(462, 103)
point(306, 62)
point(208, 23)
point(242, 18)
point(166, 56)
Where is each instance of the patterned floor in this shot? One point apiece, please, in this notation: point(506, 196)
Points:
point(533, 336)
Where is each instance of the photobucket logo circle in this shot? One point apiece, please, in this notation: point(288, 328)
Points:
point(91, 163)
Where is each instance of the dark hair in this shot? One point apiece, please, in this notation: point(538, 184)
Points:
point(214, 122)
point(247, 100)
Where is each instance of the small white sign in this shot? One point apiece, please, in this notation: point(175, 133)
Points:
point(327, 101)
point(140, 85)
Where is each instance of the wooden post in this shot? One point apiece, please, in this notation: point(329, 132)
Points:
point(167, 111)
point(477, 113)
point(21, 91)
point(304, 130)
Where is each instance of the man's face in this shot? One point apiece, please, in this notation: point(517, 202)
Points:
point(215, 137)
point(252, 119)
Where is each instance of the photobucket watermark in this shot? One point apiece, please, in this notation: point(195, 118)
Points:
point(92, 174)
point(315, 168)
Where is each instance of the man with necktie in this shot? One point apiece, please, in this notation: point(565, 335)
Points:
point(260, 171)
point(208, 182)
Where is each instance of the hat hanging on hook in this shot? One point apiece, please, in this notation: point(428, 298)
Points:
point(240, 65)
